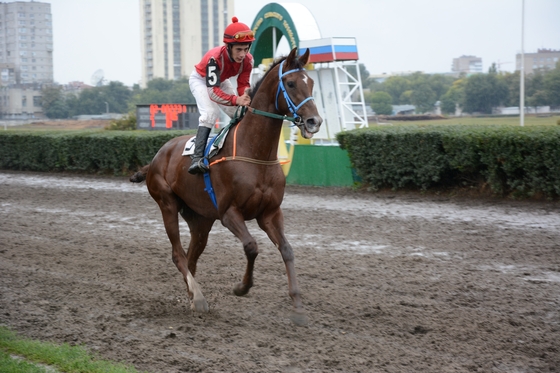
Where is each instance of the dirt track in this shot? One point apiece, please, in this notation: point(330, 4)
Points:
point(391, 283)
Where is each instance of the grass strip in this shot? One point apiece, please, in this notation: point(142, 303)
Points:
point(65, 358)
point(10, 365)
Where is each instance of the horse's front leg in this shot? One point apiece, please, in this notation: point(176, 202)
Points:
point(234, 221)
point(273, 224)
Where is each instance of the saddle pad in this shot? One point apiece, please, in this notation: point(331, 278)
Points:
point(189, 146)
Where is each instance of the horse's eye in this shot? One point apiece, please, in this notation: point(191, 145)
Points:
point(291, 84)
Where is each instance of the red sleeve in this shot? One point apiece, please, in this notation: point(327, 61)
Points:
point(244, 78)
point(220, 97)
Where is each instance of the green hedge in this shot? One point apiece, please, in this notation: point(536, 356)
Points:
point(511, 160)
point(118, 152)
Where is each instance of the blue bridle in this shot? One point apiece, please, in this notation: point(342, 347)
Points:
point(293, 108)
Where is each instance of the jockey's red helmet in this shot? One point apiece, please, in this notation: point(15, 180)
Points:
point(238, 33)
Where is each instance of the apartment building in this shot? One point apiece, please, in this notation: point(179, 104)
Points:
point(175, 34)
point(467, 64)
point(544, 59)
point(26, 60)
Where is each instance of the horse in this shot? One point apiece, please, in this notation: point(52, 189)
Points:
point(246, 177)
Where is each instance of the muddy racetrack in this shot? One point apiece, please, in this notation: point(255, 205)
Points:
point(391, 283)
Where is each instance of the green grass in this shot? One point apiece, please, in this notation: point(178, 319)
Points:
point(530, 120)
point(63, 358)
point(11, 365)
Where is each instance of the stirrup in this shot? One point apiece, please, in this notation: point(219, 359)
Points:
point(198, 167)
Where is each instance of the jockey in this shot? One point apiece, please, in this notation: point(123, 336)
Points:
point(210, 85)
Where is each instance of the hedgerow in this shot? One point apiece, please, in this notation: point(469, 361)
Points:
point(522, 161)
point(117, 152)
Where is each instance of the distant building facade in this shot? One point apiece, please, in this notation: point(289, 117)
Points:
point(544, 59)
point(175, 34)
point(26, 60)
point(467, 64)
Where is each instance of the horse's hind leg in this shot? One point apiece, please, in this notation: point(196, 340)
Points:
point(233, 220)
point(273, 224)
point(199, 228)
point(169, 207)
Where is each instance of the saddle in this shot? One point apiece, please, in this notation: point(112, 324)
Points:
point(218, 140)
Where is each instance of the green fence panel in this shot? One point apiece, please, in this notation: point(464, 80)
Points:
point(320, 166)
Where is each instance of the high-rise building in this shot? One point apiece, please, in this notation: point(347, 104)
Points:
point(175, 34)
point(467, 64)
point(544, 59)
point(26, 60)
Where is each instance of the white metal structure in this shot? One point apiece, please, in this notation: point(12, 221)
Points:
point(338, 94)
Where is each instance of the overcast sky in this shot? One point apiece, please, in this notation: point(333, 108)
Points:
point(392, 35)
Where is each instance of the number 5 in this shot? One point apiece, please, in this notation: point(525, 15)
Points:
point(212, 74)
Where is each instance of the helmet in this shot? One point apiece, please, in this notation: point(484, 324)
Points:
point(238, 33)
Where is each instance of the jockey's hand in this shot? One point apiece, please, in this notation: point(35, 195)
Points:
point(244, 99)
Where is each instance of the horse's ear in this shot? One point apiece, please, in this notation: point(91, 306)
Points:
point(304, 58)
point(291, 57)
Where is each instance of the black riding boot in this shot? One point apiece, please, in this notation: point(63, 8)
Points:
point(197, 165)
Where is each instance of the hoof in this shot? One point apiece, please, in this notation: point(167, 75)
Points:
point(240, 289)
point(200, 305)
point(299, 318)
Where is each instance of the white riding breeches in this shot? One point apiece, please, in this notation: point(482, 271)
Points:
point(208, 109)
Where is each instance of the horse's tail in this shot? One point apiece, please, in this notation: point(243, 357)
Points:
point(140, 176)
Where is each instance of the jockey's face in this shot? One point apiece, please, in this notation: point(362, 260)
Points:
point(239, 51)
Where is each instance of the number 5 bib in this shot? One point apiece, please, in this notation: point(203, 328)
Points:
point(212, 73)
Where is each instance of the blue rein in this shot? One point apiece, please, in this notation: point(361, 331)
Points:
point(293, 107)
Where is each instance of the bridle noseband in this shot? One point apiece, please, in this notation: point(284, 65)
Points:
point(293, 107)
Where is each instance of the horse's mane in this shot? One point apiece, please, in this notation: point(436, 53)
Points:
point(274, 64)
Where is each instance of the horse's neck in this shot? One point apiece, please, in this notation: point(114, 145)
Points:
point(259, 134)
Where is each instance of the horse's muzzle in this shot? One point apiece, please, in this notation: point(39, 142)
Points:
point(310, 126)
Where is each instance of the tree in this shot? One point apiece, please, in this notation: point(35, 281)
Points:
point(440, 84)
point(53, 102)
point(364, 74)
point(405, 98)
point(395, 86)
point(57, 110)
point(113, 97)
point(478, 92)
point(181, 92)
point(117, 96)
point(162, 91)
point(454, 97)
point(552, 86)
point(512, 81)
point(539, 98)
point(424, 98)
point(381, 103)
point(485, 91)
point(534, 82)
point(448, 104)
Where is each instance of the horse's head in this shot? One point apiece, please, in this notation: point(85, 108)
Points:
point(295, 94)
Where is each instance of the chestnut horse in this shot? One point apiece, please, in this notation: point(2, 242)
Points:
point(248, 181)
